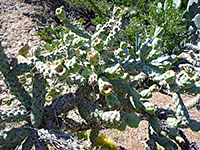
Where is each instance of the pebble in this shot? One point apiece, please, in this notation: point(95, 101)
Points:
point(4, 44)
point(139, 138)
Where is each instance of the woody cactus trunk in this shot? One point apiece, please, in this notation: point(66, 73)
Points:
point(96, 76)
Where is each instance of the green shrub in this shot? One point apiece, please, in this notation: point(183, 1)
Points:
point(147, 15)
point(53, 36)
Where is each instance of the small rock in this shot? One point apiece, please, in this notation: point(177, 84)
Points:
point(4, 44)
point(139, 138)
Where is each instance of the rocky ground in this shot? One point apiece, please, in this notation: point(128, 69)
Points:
point(19, 22)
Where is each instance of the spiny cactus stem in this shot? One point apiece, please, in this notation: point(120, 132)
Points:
point(194, 89)
point(181, 111)
point(4, 65)
point(105, 28)
point(9, 139)
point(166, 142)
point(75, 126)
point(193, 102)
point(38, 92)
point(132, 66)
point(94, 134)
point(63, 103)
point(26, 144)
point(58, 139)
point(60, 13)
point(18, 90)
point(154, 128)
point(155, 134)
point(145, 49)
point(14, 115)
point(39, 64)
point(125, 88)
point(66, 102)
point(62, 52)
point(193, 47)
point(21, 68)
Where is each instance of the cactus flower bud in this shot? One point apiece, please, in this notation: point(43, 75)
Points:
point(48, 97)
point(186, 82)
point(97, 44)
point(170, 76)
point(105, 87)
point(61, 71)
point(93, 57)
point(189, 69)
point(60, 13)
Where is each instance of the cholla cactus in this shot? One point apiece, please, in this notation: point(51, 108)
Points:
point(95, 75)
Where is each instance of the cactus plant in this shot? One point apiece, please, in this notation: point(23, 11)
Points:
point(90, 76)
